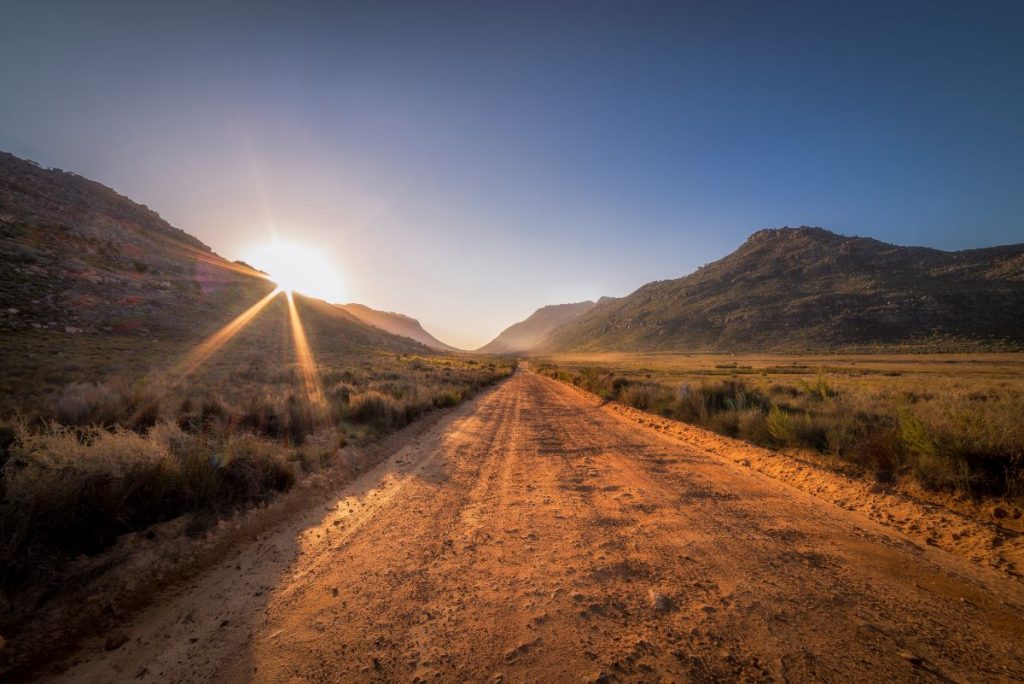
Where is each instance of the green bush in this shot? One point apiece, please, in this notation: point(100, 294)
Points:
point(818, 389)
point(780, 426)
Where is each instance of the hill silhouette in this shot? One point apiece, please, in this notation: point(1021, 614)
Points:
point(396, 324)
point(534, 331)
point(808, 289)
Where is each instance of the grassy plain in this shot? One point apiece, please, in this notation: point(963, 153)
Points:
point(951, 421)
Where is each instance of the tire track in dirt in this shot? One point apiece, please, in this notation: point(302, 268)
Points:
point(537, 536)
point(728, 545)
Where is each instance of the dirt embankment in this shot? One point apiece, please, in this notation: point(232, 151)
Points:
point(535, 535)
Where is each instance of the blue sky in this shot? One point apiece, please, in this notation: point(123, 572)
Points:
point(466, 163)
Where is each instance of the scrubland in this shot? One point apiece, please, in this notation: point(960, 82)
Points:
point(950, 422)
point(105, 438)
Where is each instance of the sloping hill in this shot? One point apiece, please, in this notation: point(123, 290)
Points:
point(80, 264)
point(794, 289)
point(534, 331)
point(396, 324)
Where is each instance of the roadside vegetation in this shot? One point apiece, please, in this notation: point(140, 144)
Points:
point(93, 460)
point(951, 423)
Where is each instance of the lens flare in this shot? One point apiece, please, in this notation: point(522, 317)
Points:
point(299, 268)
point(217, 340)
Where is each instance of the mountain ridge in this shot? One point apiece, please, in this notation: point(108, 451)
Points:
point(533, 330)
point(807, 288)
point(396, 324)
point(810, 289)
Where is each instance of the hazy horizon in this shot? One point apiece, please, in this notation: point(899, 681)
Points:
point(465, 164)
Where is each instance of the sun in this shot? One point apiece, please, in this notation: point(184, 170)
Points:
point(298, 268)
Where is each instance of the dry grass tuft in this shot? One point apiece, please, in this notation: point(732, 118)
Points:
point(72, 491)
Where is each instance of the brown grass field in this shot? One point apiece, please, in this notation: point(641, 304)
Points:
point(951, 422)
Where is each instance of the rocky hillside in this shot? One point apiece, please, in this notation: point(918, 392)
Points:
point(534, 331)
point(796, 289)
point(396, 324)
point(79, 260)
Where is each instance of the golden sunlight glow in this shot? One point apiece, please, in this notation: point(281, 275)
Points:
point(292, 260)
point(307, 366)
point(298, 268)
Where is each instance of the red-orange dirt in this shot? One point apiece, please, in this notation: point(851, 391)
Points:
point(534, 535)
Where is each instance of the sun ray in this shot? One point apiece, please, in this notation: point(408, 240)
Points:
point(212, 259)
point(215, 341)
point(307, 366)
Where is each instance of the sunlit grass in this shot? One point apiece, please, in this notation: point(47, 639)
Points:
point(950, 422)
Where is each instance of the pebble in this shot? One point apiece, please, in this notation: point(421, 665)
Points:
point(659, 601)
point(115, 642)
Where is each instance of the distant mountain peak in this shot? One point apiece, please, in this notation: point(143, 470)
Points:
point(784, 233)
point(534, 331)
point(808, 288)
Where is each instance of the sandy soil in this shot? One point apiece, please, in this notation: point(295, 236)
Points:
point(953, 523)
point(535, 535)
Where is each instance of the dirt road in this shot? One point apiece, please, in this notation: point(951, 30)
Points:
point(533, 535)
